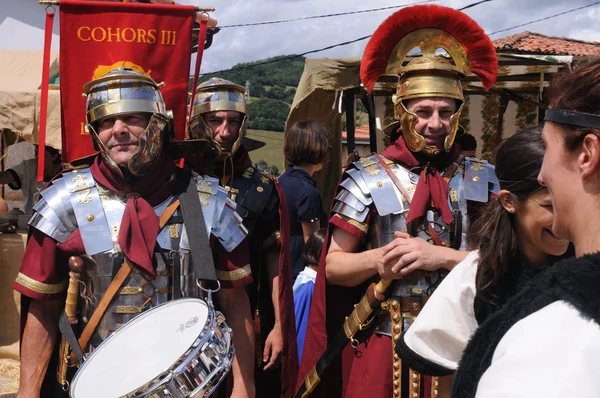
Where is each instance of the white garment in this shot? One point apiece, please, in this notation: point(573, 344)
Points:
point(552, 353)
point(446, 323)
point(27, 172)
point(306, 275)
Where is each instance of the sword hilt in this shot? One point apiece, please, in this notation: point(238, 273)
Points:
point(76, 266)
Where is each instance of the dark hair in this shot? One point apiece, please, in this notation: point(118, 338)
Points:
point(518, 163)
point(313, 247)
point(577, 90)
point(306, 142)
point(466, 141)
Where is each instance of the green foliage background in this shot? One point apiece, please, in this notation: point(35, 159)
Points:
point(271, 87)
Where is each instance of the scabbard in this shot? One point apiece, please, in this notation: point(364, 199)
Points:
point(357, 321)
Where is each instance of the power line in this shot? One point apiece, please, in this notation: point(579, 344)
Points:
point(317, 50)
point(326, 15)
point(545, 18)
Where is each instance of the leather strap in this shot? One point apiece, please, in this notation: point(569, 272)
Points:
point(69, 335)
point(198, 238)
point(116, 284)
point(434, 235)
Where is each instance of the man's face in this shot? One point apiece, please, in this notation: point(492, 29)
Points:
point(120, 134)
point(225, 126)
point(433, 118)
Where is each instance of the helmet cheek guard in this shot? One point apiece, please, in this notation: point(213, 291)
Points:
point(429, 28)
point(217, 95)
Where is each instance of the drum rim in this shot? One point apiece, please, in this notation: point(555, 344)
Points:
point(199, 341)
point(180, 369)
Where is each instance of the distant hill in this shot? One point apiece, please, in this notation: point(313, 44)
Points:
point(271, 89)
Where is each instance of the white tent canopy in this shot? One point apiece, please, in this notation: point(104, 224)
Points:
point(20, 81)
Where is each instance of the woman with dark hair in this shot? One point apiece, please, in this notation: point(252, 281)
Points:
point(545, 342)
point(306, 145)
point(305, 284)
point(514, 241)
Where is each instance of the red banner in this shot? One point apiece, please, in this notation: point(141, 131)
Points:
point(96, 37)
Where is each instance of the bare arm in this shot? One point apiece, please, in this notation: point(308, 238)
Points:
point(39, 337)
point(274, 342)
point(308, 228)
point(344, 267)
point(6, 177)
point(235, 305)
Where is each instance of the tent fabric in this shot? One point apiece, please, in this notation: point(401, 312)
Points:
point(318, 98)
point(20, 95)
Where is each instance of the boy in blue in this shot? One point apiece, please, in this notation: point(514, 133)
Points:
point(305, 284)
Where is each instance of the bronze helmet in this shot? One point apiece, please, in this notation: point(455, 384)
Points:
point(428, 28)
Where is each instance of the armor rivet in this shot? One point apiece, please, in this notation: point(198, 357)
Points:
point(90, 217)
point(259, 189)
point(415, 306)
point(396, 393)
point(396, 384)
point(396, 357)
point(475, 179)
point(385, 306)
point(396, 365)
point(397, 329)
point(435, 383)
point(415, 376)
point(396, 375)
point(415, 395)
point(396, 318)
point(435, 394)
point(395, 304)
point(396, 338)
point(415, 385)
point(379, 184)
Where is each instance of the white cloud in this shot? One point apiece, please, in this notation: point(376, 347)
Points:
point(245, 44)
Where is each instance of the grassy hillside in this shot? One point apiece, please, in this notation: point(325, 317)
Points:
point(271, 89)
point(272, 153)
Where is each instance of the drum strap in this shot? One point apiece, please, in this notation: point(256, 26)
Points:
point(193, 220)
point(112, 290)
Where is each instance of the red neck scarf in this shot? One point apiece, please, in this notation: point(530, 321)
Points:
point(140, 224)
point(228, 166)
point(431, 185)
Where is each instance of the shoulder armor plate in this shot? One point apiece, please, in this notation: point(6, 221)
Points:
point(257, 195)
point(383, 191)
point(480, 180)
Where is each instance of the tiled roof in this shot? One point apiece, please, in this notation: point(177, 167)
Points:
point(360, 133)
point(536, 43)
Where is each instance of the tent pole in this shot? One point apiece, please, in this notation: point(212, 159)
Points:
point(349, 104)
point(369, 103)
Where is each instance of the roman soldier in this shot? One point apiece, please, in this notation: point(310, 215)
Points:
point(219, 115)
point(115, 232)
point(400, 216)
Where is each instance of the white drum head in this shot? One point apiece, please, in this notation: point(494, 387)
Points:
point(140, 350)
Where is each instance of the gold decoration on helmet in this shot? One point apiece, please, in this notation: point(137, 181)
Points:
point(450, 45)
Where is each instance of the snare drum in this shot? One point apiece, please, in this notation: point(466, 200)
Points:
point(179, 349)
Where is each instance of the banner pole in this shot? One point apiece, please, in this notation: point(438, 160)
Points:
point(199, 54)
point(44, 95)
point(57, 3)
